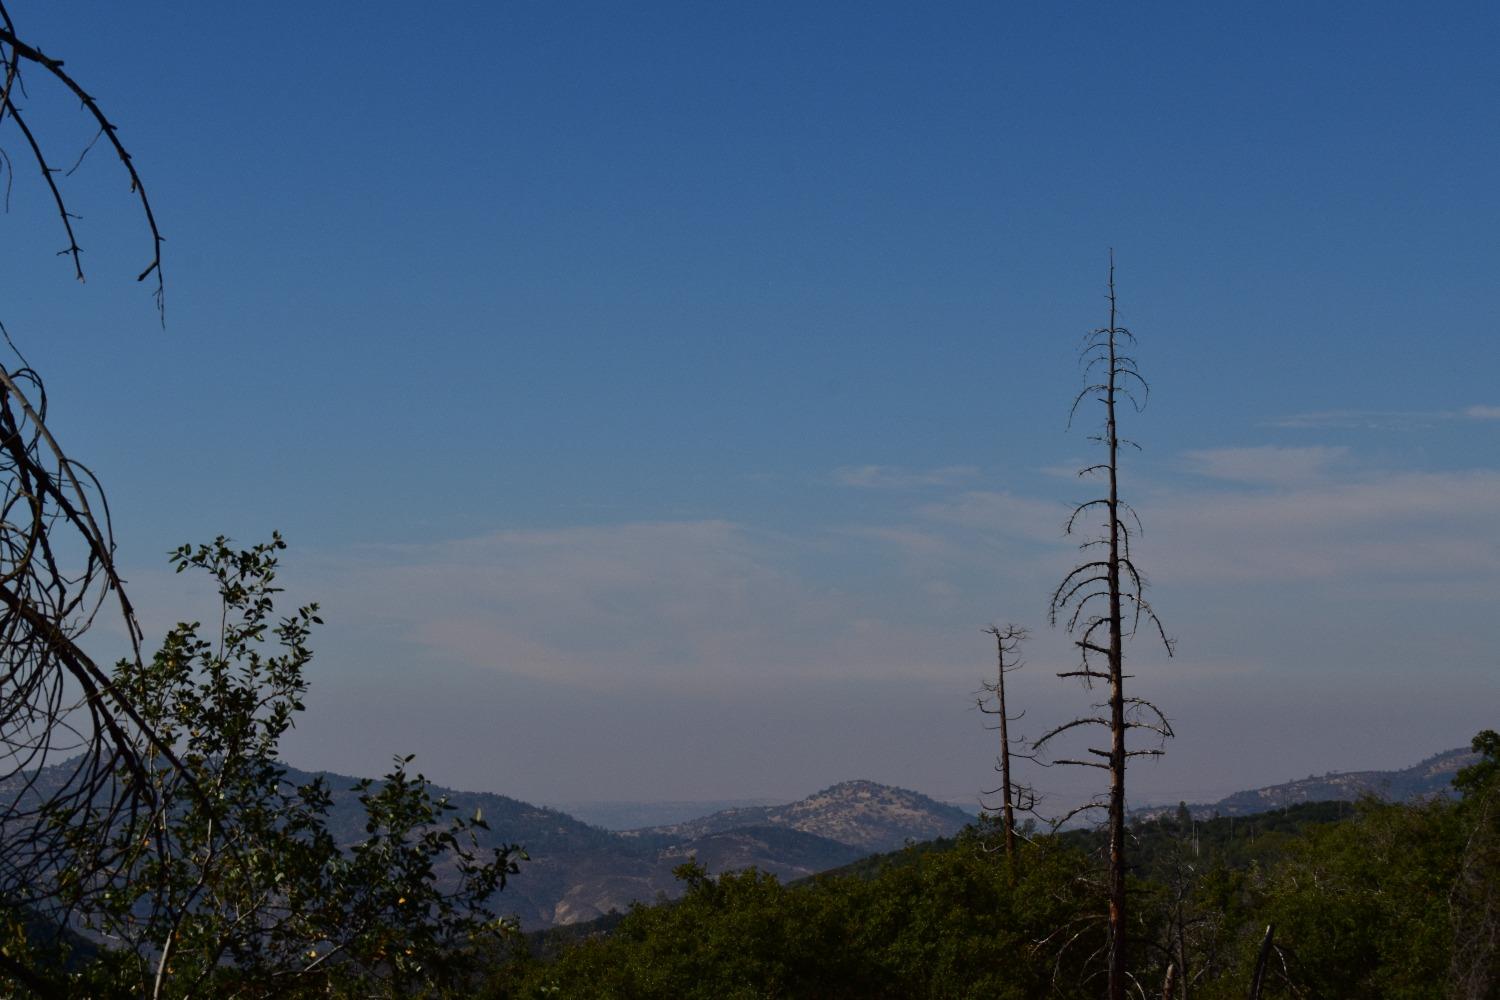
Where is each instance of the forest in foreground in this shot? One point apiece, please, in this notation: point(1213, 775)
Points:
point(1318, 900)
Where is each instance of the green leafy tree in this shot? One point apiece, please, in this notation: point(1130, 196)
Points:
point(234, 885)
point(1474, 900)
point(1360, 907)
point(941, 922)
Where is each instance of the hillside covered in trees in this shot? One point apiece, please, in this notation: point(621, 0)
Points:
point(1368, 900)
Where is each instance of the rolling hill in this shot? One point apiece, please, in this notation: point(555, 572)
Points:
point(861, 814)
point(1430, 777)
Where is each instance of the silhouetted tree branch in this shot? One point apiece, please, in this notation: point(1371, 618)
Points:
point(16, 53)
point(70, 739)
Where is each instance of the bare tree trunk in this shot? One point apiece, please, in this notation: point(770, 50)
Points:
point(1012, 797)
point(1008, 810)
point(1009, 814)
point(1116, 681)
point(1182, 958)
point(1258, 978)
point(1103, 602)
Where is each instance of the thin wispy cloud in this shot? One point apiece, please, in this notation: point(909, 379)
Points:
point(1272, 515)
point(1383, 419)
point(696, 603)
point(892, 477)
point(1070, 470)
point(717, 610)
point(703, 602)
point(997, 512)
point(1401, 526)
point(1267, 464)
point(911, 542)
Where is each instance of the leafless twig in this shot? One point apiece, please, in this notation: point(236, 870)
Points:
point(14, 53)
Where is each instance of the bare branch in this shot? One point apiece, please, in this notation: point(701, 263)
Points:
point(21, 50)
point(71, 742)
point(1088, 720)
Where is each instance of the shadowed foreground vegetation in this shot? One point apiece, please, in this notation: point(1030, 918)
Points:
point(1375, 900)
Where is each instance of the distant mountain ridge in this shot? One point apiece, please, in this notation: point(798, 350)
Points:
point(1425, 779)
point(579, 872)
point(862, 814)
point(637, 814)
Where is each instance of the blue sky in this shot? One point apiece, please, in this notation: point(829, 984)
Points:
point(660, 398)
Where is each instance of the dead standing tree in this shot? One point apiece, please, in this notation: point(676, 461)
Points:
point(991, 701)
point(1101, 603)
point(57, 575)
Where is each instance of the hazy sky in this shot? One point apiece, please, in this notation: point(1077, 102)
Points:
point(660, 398)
